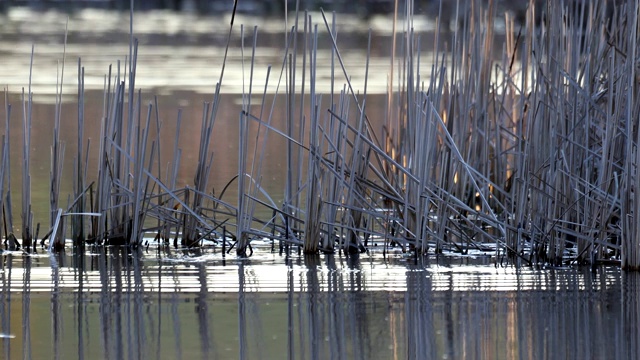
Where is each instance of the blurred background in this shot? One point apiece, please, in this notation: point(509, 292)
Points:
point(265, 7)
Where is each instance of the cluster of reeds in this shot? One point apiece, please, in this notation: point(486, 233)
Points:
point(531, 152)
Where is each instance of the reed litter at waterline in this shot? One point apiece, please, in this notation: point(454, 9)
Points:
point(529, 151)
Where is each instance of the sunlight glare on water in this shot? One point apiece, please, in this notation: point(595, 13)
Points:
point(188, 305)
point(270, 272)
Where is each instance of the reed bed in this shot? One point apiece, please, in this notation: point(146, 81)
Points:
point(529, 152)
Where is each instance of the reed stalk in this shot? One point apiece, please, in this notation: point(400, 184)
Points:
point(27, 216)
point(77, 223)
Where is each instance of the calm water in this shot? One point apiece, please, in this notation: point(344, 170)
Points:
point(198, 306)
point(176, 305)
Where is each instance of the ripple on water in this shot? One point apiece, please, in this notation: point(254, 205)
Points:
point(181, 271)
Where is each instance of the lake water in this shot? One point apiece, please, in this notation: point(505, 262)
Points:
point(173, 305)
point(184, 305)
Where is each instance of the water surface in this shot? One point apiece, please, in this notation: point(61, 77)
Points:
point(187, 306)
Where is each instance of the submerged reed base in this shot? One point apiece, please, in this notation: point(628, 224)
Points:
point(531, 152)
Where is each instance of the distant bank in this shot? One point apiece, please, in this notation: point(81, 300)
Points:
point(265, 7)
point(268, 7)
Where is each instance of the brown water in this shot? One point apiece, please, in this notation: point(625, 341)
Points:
point(115, 306)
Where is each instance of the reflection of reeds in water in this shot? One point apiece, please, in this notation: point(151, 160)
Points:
point(532, 153)
point(110, 304)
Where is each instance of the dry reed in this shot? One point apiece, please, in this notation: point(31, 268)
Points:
point(531, 151)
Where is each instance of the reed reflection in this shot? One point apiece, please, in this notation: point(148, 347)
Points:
point(26, 304)
point(327, 312)
point(628, 334)
point(202, 310)
point(56, 317)
point(312, 307)
point(123, 306)
point(252, 330)
point(418, 313)
point(5, 306)
point(80, 311)
point(336, 317)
